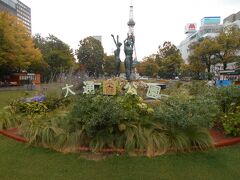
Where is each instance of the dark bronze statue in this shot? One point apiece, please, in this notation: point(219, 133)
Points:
point(128, 50)
point(117, 55)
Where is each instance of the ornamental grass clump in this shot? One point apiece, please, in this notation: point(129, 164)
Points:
point(45, 131)
point(8, 119)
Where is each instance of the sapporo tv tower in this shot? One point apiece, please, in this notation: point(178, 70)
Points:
point(131, 23)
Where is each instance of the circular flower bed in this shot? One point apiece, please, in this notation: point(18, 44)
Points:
point(124, 122)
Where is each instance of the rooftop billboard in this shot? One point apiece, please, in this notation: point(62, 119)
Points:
point(211, 20)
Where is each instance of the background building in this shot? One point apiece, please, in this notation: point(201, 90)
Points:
point(210, 27)
point(233, 19)
point(24, 14)
point(8, 6)
point(17, 8)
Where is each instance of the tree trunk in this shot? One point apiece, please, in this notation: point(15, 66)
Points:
point(224, 66)
point(208, 68)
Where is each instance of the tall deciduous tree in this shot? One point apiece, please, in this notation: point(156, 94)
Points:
point(229, 45)
point(148, 67)
point(206, 51)
point(196, 67)
point(169, 60)
point(109, 64)
point(57, 54)
point(90, 54)
point(17, 51)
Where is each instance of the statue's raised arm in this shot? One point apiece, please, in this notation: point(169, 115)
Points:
point(114, 39)
point(117, 55)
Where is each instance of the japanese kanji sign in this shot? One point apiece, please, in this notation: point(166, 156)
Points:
point(153, 91)
point(131, 88)
point(109, 88)
point(89, 87)
point(67, 87)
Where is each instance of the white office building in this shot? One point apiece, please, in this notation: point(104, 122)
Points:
point(233, 19)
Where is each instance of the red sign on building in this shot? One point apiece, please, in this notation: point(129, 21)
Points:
point(190, 28)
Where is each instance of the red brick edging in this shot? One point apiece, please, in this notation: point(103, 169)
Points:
point(11, 134)
point(219, 139)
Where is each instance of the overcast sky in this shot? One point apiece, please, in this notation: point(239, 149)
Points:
point(156, 21)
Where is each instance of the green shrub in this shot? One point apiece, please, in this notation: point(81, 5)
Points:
point(228, 98)
point(186, 111)
point(31, 107)
point(231, 122)
point(135, 109)
point(189, 111)
point(200, 88)
point(114, 122)
point(97, 112)
point(54, 102)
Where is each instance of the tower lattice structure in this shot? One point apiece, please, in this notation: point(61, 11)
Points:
point(131, 24)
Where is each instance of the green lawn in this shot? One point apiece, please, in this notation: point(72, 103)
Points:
point(21, 163)
point(29, 163)
point(7, 96)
